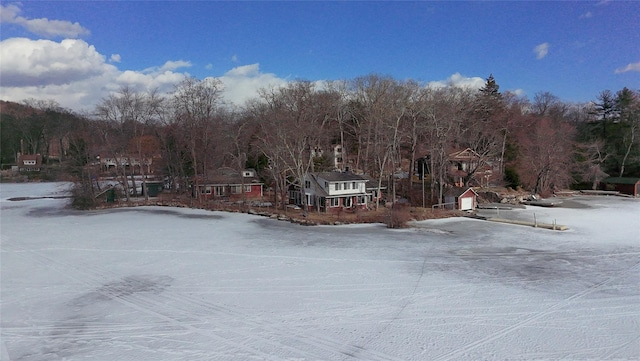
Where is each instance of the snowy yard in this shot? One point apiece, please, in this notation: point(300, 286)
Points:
point(154, 283)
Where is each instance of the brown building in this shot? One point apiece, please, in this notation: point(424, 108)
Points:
point(624, 185)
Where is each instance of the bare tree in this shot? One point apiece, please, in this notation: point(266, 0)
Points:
point(546, 154)
point(291, 127)
point(416, 128)
point(236, 141)
point(484, 131)
point(385, 102)
point(592, 158)
point(628, 107)
point(443, 115)
point(340, 114)
point(124, 115)
point(195, 103)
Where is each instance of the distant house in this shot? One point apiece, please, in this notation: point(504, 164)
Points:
point(624, 185)
point(134, 164)
point(332, 192)
point(461, 198)
point(461, 164)
point(29, 162)
point(334, 154)
point(337, 156)
point(372, 189)
point(467, 161)
point(228, 184)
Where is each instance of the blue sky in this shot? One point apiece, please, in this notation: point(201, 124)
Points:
point(76, 52)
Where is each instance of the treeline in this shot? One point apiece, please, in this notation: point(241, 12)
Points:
point(383, 125)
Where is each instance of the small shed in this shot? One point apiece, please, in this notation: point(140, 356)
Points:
point(152, 188)
point(625, 185)
point(464, 199)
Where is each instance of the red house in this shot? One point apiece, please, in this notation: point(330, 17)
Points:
point(228, 184)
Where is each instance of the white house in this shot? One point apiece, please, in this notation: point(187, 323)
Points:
point(332, 191)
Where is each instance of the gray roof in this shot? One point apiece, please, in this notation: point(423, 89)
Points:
point(317, 188)
point(373, 183)
point(339, 176)
point(227, 176)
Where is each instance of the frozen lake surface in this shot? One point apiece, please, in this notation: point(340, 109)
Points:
point(154, 283)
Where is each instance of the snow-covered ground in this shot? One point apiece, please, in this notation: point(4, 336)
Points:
point(154, 283)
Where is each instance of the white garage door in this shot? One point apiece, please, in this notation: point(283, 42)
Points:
point(466, 203)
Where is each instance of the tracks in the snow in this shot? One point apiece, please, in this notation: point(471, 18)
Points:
point(460, 352)
point(177, 313)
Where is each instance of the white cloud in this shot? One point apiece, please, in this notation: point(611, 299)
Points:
point(115, 58)
point(42, 26)
point(35, 62)
point(234, 58)
point(168, 66)
point(519, 92)
point(472, 83)
point(459, 81)
point(629, 67)
point(541, 50)
point(586, 15)
point(73, 73)
point(209, 66)
point(243, 82)
point(173, 65)
point(9, 13)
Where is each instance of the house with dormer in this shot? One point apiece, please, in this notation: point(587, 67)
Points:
point(331, 192)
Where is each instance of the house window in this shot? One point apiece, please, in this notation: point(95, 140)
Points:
point(236, 189)
point(362, 199)
point(218, 190)
point(338, 186)
point(354, 185)
point(346, 186)
point(247, 188)
point(307, 184)
point(348, 202)
point(335, 202)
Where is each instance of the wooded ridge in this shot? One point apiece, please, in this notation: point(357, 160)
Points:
point(405, 136)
